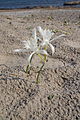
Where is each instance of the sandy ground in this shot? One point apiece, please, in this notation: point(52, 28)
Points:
point(57, 96)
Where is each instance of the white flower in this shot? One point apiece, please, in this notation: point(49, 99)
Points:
point(32, 46)
point(47, 35)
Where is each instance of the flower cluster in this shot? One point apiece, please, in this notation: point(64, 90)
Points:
point(38, 45)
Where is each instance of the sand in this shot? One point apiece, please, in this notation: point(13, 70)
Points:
point(57, 95)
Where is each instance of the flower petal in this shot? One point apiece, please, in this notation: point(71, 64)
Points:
point(30, 57)
point(58, 37)
point(26, 44)
point(43, 52)
point(48, 34)
point(44, 43)
point(40, 30)
point(34, 33)
point(52, 48)
point(19, 50)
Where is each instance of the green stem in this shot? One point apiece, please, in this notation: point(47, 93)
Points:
point(37, 79)
point(28, 67)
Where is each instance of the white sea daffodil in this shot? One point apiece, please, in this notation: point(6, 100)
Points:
point(46, 36)
point(32, 46)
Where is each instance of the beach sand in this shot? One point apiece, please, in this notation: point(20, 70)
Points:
point(57, 95)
